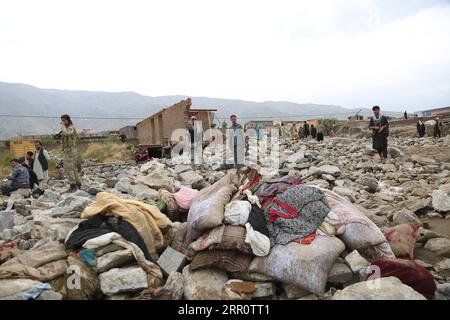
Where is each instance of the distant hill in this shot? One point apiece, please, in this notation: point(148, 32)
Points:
point(26, 100)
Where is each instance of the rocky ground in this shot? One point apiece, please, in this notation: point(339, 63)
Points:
point(412, 186)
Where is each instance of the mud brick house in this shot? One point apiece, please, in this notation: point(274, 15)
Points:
point(153, 130)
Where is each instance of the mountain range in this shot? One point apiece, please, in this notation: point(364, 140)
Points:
point(36, 111)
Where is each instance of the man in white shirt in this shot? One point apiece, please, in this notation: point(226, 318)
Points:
point(40, 163)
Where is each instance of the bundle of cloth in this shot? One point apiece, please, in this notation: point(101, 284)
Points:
point(30, 274)
point(135, 221)
point(117, 232)
point(283, 229)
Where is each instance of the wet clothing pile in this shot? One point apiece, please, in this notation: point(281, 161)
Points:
point(146, 219)
point(99, 225)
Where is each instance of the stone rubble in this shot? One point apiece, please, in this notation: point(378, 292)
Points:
point(412, 186)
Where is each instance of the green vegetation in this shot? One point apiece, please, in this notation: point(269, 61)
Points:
point(49, 140)
point(129, 146)
point(5, 166)
point(102, 152)
point(328, 125)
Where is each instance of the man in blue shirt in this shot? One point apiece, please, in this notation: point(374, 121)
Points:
point(18, 179)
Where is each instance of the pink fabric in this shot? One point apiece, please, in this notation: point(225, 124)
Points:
point(402, 239)
point(184, 197)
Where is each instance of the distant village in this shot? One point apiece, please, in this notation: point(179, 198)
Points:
point(151, 132)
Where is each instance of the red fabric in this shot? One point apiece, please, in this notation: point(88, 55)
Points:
point(267, 203)
point(256, 180)
point(410, 273)
point(274, 214)
point(308, 240)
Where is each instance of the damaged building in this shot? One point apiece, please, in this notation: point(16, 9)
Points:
point(153, 130)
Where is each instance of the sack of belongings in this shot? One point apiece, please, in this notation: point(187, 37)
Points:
point(207, 207)
point(305, 266)
point(358, 231)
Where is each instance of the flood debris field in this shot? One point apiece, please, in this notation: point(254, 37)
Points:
point(162, 230)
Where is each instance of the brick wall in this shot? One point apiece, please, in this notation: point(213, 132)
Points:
point(154, 129)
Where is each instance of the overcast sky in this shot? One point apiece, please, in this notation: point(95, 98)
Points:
point(354, 53)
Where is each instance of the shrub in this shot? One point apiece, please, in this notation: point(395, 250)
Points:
point(328, 125)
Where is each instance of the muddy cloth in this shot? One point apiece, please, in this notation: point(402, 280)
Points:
point(271, 188)
point(39, 255)
point(99, 225)
point(296, 213)
point(147, 219)
point(6, 250)
point(257, 220)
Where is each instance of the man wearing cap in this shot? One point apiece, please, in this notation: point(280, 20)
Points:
point(380, 131)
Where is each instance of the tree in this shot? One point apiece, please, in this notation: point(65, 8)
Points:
point(328, 125)
point(224, 125)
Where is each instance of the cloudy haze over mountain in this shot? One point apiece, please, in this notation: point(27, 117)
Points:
point(350, 53)
point(27, 110)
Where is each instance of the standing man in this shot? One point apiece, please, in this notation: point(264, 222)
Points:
point(306, 130)
point(29, 158)
point(195, 130)
point(18, 179)
point(69, 146)
point(406, 115)
point(313, 131)
point(40, 163)
point(237, 141)
point(282, 131)
point(293, 131)
point(166, 148)
point(380, 131)
point(437, 128)
point(420, 128)
point(300, 133)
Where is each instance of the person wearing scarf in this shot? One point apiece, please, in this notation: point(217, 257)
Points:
point(380, 131)
point(40, 163)
point(421, 128)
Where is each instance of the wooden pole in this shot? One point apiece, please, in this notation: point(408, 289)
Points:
point(351, 119)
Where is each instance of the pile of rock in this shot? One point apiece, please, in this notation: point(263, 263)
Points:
point(411, 188)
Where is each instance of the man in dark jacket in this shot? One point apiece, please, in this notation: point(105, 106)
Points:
point(18, 179)
point(437, 128)
point(380, 131)
point(420, 128)
point(306, 130)
point(313, 131)
point(33, 176)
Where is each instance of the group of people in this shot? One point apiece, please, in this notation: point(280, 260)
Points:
point(437, 128)
point(380, 131)
point(304, 132)
point(236, 140)
point(29, 171)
